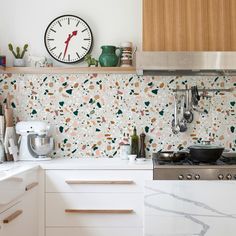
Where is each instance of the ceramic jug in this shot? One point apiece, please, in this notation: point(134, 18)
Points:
point(108, 58)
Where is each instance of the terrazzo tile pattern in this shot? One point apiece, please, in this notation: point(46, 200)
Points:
point(91, 115)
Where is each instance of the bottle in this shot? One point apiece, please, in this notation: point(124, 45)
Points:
point(142, 153)
point(134, 143)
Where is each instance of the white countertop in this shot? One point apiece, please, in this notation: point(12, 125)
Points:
point(8, 169)
point(96, 163)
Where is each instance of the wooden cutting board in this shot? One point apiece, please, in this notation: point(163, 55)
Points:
point(10, 130)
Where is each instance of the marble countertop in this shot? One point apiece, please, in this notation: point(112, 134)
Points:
point(8, 169)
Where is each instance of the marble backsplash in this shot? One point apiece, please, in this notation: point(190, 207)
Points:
point(91, 115)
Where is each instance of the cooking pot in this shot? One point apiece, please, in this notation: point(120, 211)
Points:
point(205, 153)
point(170, 156)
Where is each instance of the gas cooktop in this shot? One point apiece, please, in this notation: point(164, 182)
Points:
point(222, 169)
point(187, 162)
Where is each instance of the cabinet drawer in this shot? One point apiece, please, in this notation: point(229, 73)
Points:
point(31, 178)
point(94, 209)
point(12, 220)
point(15, 186)
point(96, 180)
point(94, 231)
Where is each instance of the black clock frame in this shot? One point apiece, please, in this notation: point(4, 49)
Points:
point(74, 62)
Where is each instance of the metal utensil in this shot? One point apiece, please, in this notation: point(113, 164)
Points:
point(175, 122)
point(197, 94)
point(194, 100)
point(188, 114)
point(183, 122)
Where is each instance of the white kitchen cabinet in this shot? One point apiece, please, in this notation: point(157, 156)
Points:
point(94, 231)
point(95, 202)
point(30, 208)
point(125, 209)
point(20, 217)
point(96, 180)
point(12, 221)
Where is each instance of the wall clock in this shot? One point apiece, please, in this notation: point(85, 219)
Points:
point(68, 39)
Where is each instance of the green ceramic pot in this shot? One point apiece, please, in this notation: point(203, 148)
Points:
point(108, 58)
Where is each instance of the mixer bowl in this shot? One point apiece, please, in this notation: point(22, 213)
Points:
point(41, 145)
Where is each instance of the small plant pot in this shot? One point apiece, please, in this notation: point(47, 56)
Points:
point(19, 62)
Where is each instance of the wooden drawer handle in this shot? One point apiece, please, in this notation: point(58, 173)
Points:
point(30, 186)
point(99, 181)
point(12, 217)
point(104, 211)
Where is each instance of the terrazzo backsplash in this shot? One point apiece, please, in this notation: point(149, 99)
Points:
point(91, 115)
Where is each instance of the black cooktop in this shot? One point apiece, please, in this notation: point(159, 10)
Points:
point(221, 161)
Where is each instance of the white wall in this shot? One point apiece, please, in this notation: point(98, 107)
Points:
point(112, 22)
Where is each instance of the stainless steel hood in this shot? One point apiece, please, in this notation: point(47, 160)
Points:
point(186, 63)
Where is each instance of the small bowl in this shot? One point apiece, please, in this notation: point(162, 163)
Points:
point(132, 157)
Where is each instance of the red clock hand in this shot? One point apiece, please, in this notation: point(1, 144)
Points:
point(74, 33)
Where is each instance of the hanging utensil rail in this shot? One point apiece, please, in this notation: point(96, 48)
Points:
point(208, 90)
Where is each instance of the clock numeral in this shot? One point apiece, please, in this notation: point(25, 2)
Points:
point(77, 23)
point(84, 30)
point(87, 39)
point(68, 57)
point(78, 55)
point(59, 55)
point(53, 30)
point(68, 21)
point(53, 48)
point(50, 39)
point(59, 23)
point(84, 48)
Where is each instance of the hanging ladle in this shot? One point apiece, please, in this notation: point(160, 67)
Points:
point(175, 122)
point(188, 114)
point(183, 121)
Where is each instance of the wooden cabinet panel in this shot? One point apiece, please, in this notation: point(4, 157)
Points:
point(219, 25)
point(232, 6)
point(175, 24)
point(189, 25)
point(197, 29)
point(150, 30)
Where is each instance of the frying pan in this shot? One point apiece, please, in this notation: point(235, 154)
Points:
point(170, 156)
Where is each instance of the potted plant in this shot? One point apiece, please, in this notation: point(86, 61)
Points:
point(18, 55)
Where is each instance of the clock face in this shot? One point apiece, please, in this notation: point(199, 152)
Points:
point(68, 39)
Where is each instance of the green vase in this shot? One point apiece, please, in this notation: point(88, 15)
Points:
point(108, 58)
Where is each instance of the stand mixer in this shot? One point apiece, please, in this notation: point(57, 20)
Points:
point(34, 142)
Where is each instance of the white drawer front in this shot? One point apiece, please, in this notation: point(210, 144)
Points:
point(96, 180)
point(94, 231)
point(31, 177)
point(12, 221)
point(131, 204)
